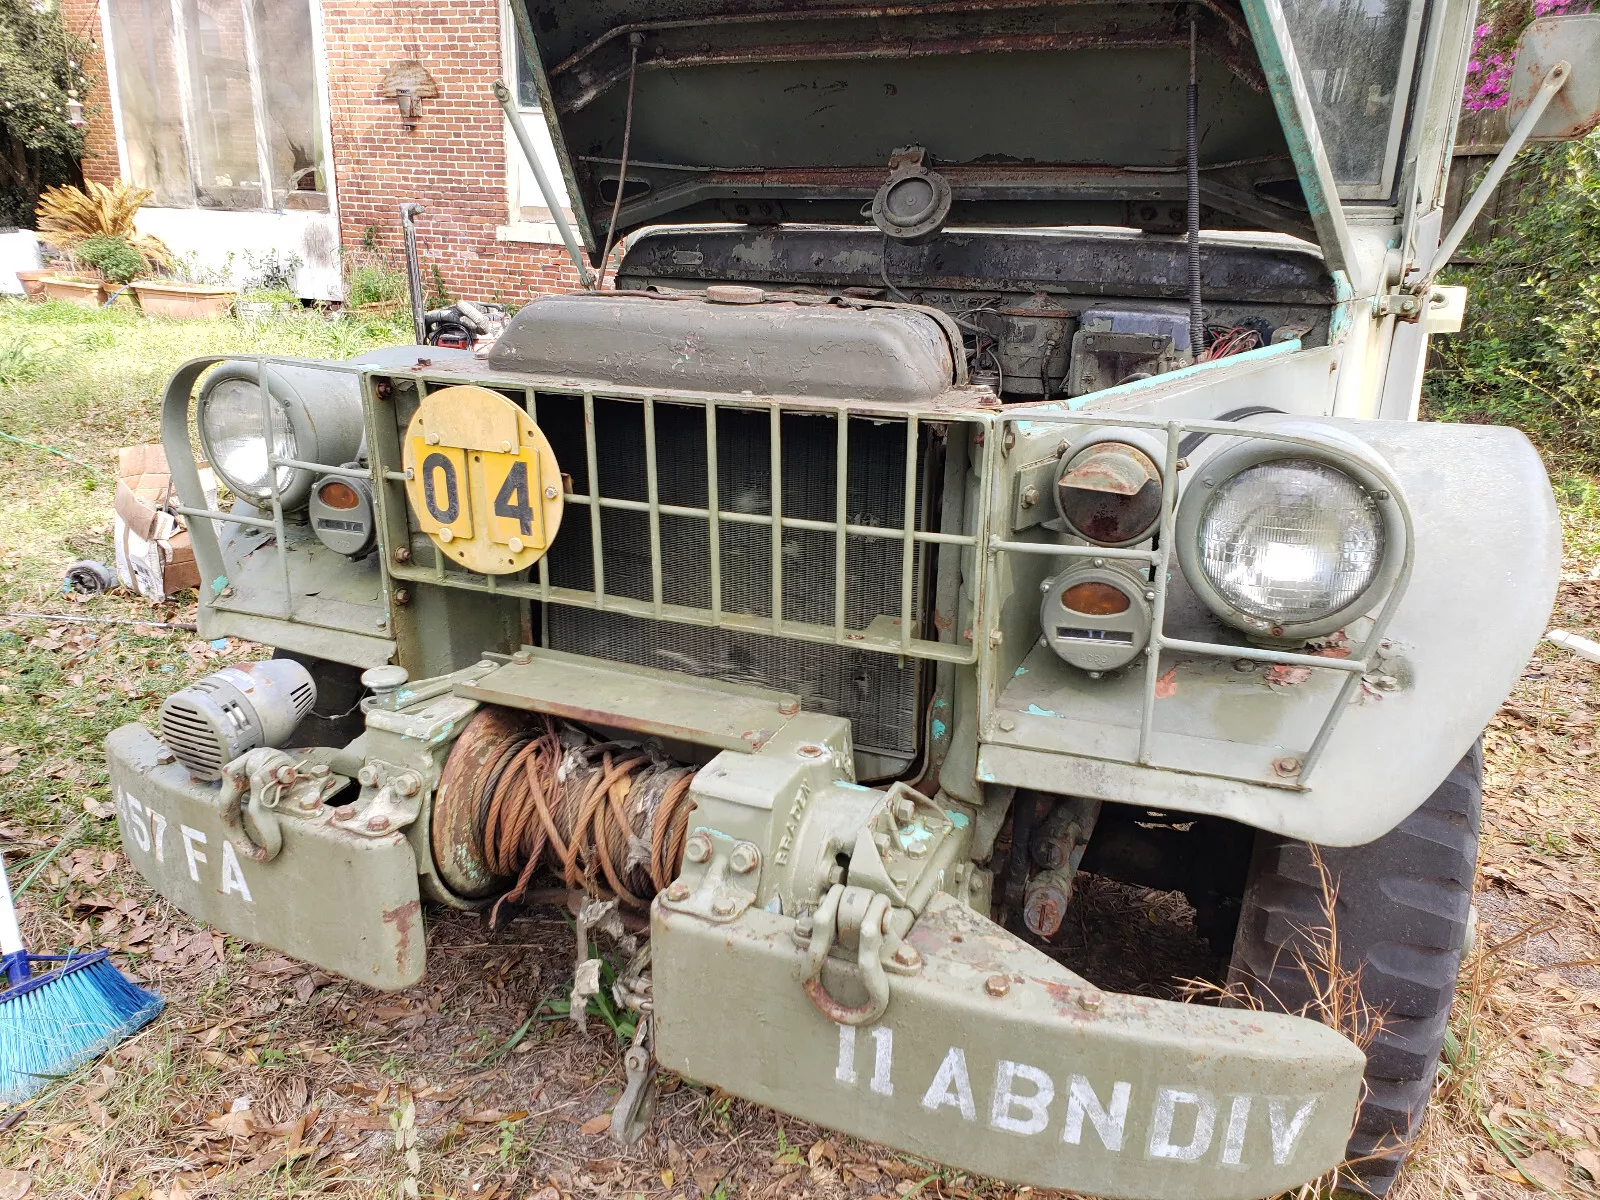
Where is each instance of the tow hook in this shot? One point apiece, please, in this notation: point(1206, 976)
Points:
point(849, 914)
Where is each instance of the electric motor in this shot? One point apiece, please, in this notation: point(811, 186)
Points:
point(216, 719)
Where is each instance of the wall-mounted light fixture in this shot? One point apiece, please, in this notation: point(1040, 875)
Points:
point(408, 83)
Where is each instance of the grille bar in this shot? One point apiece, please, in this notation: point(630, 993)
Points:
point(718, 518)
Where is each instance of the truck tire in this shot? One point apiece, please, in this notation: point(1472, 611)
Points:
point(1403, 909)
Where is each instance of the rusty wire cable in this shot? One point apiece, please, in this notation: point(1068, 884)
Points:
point(610, 818)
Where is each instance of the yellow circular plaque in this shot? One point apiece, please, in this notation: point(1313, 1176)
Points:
point(482, 480)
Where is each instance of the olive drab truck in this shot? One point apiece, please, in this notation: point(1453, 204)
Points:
point(993, 458)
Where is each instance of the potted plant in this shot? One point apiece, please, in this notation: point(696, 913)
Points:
point(116, 262)
point(69, 217)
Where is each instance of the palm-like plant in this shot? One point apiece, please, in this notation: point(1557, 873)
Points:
point(68, 216)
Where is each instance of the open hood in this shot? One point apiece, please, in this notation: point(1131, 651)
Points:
point(1033, 112)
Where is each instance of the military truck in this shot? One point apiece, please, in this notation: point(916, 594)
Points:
point(994, 458)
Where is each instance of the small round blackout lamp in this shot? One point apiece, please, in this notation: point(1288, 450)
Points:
point(1290, 541)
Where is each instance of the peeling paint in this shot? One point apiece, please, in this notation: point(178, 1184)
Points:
point(939, 728)
point(1042, 712)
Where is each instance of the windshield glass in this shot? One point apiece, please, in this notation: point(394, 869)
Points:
point(1356, 56)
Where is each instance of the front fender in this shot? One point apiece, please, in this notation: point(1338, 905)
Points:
point(1487, 558)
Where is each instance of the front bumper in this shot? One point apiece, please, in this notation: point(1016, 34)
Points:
point(996, 1060)
point(335, 898)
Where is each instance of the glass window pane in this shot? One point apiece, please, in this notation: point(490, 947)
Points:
point(1354, 55)
point(527, 96)
point(147, 93)
point(289, 90)
point(227, 167)
point(220, 104)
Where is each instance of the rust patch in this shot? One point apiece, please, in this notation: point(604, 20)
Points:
point(404, 920)
point(1167, 685)
point(1286, 675)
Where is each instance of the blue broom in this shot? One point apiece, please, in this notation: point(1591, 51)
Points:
point(51, 1023)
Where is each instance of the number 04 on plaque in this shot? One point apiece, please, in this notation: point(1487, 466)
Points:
point(482, 481)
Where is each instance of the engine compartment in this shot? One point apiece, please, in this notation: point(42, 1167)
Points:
point(1042, 314)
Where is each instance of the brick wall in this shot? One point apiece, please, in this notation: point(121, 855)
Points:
point(453, 163)
point(100, 137)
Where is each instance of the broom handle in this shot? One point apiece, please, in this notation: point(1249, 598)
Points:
point(10, 935)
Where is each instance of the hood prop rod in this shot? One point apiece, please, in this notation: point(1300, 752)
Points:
point(1197, 320)
point(503, 94)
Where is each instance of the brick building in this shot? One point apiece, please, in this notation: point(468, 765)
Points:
point(263, 127)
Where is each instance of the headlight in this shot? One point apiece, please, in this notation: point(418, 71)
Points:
point(1288, 540)
point(231, 429)
point(312, 415)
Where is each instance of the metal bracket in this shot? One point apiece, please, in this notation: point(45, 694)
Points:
point(260, 787)
point(719, 877)
point(396, 803)
point(1407, 305)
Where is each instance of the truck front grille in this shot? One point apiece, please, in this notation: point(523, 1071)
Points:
point(875, 691)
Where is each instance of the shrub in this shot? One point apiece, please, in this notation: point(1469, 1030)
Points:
point(270, 271)
point(67, 216)
point(373, 282)
point(1529, 354)
point(111, 255)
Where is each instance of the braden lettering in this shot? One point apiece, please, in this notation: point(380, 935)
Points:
point(1186, 1124)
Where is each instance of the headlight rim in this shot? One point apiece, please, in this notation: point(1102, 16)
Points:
point(1327, 447)
point(297, 493)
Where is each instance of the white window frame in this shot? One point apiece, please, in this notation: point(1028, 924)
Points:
point(319, 67)
point(521, 189)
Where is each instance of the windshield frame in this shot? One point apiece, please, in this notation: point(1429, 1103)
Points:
point(1384, 189)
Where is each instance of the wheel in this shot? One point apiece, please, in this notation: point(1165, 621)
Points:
point(1403, 912)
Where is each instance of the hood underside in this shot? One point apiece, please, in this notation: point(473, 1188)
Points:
point(1036, 112)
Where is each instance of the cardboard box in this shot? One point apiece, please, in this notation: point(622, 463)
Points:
point(154, 554)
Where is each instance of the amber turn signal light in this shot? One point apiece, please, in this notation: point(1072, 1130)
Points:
point(338, 494)
point(1095, 599)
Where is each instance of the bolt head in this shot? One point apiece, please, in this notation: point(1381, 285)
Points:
point(997, 985)
point(1007, 724)
point(811, 751)
point(522, 657)
point(698, 849)
point(678, 891)
point(1286, 766)
point(402, 595)
point(744, 858)
point(285, 774)
point(907, 956)
point(408, 784)
point(227, 593)
point(723, 906)
point(803, 925)
point(1090, 999)
point(165, 758)
point(378, 823)
point(788, 708)
point(550, 493)
point(1030, 496)
point(402, 554)
point(367, 776)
